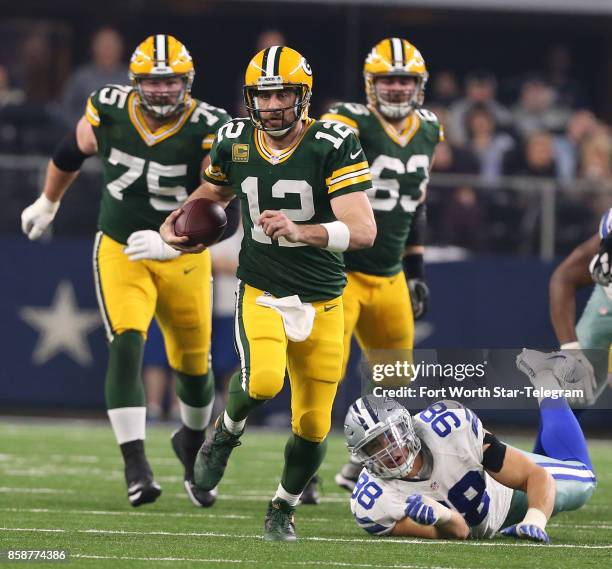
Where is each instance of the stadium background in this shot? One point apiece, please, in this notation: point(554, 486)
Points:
point(495, 236)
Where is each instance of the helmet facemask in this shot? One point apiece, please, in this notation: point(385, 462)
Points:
point(300, 107)
point(395, 109)
point(389, 449)
point(158, 105)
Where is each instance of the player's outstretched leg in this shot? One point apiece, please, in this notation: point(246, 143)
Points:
point(212, 458)
point(125, 402)
point(302, 460)
point(560, 434)
point(196, 397)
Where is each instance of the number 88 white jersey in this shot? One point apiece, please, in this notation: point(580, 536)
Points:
point(454, 436)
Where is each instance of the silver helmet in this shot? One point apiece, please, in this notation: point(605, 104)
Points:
point(379, 433)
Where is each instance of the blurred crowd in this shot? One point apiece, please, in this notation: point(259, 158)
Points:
point(537, 128)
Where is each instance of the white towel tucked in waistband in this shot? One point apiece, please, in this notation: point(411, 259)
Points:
point(298, 317)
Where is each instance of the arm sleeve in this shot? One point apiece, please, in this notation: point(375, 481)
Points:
point(92, 114)
point(418, 229)
point(341, 112)
point(209, 138)
point(347, 169)
point(217, 171)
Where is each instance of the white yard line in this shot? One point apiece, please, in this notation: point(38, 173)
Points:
point(127, 513)
point(6, 490)
point(371, 541)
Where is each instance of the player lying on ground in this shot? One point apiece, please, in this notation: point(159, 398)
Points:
point(440, 474)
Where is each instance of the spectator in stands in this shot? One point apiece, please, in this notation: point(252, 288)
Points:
point(537, 158)
point(9, 95)
point(582, 124)
point(538, 110)
point(445, 89)
point(463, 220)
point(596, 156)
point(105, 67)
point(480, 89)
point(489, 146)
point(570, 93)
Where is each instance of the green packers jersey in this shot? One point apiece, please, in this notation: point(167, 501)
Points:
point(146, 174)
point(399, 163)
point(324, 162)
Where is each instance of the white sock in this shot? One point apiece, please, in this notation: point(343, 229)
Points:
point(545, 380)
point(128, 423)
point(291, 499)
point(196, 418)
point(234, 427)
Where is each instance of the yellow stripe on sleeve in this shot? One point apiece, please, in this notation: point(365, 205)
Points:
point(207, 141)
point(351, 181)
point(341, 118)
point(346, 170)
point(91, 113)
point(215, 173)
point(441, 138)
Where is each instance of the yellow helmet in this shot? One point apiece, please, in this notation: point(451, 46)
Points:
point(395, 56)
point(278, 67)
point(162, 56)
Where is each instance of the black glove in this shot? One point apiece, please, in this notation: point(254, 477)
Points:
point(419, 296)
point(419, 291)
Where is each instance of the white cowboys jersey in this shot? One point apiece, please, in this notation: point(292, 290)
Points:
point(454, 435)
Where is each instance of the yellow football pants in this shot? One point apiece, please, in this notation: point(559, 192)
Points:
point(314, 366)
point(177, 292)
point(379, 312)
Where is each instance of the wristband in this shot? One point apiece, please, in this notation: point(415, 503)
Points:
point(338, 236)
point(571, 345)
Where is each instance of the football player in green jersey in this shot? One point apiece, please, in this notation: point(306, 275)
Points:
point(153, 140)
point(398, 138)
point(302, 184)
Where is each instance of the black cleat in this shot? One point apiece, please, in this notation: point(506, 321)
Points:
point(186, 442)
point(279, 524)
point(212, 458)
point(348, 476)
point(142, 488)
point(311, 496)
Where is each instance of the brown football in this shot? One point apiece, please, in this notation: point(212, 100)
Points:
point(202, 220)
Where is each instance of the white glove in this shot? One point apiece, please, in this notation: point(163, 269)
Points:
point(37, 217)
point(600, 268)
point(148, 244)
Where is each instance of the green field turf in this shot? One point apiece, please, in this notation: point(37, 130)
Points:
point(61, 487)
